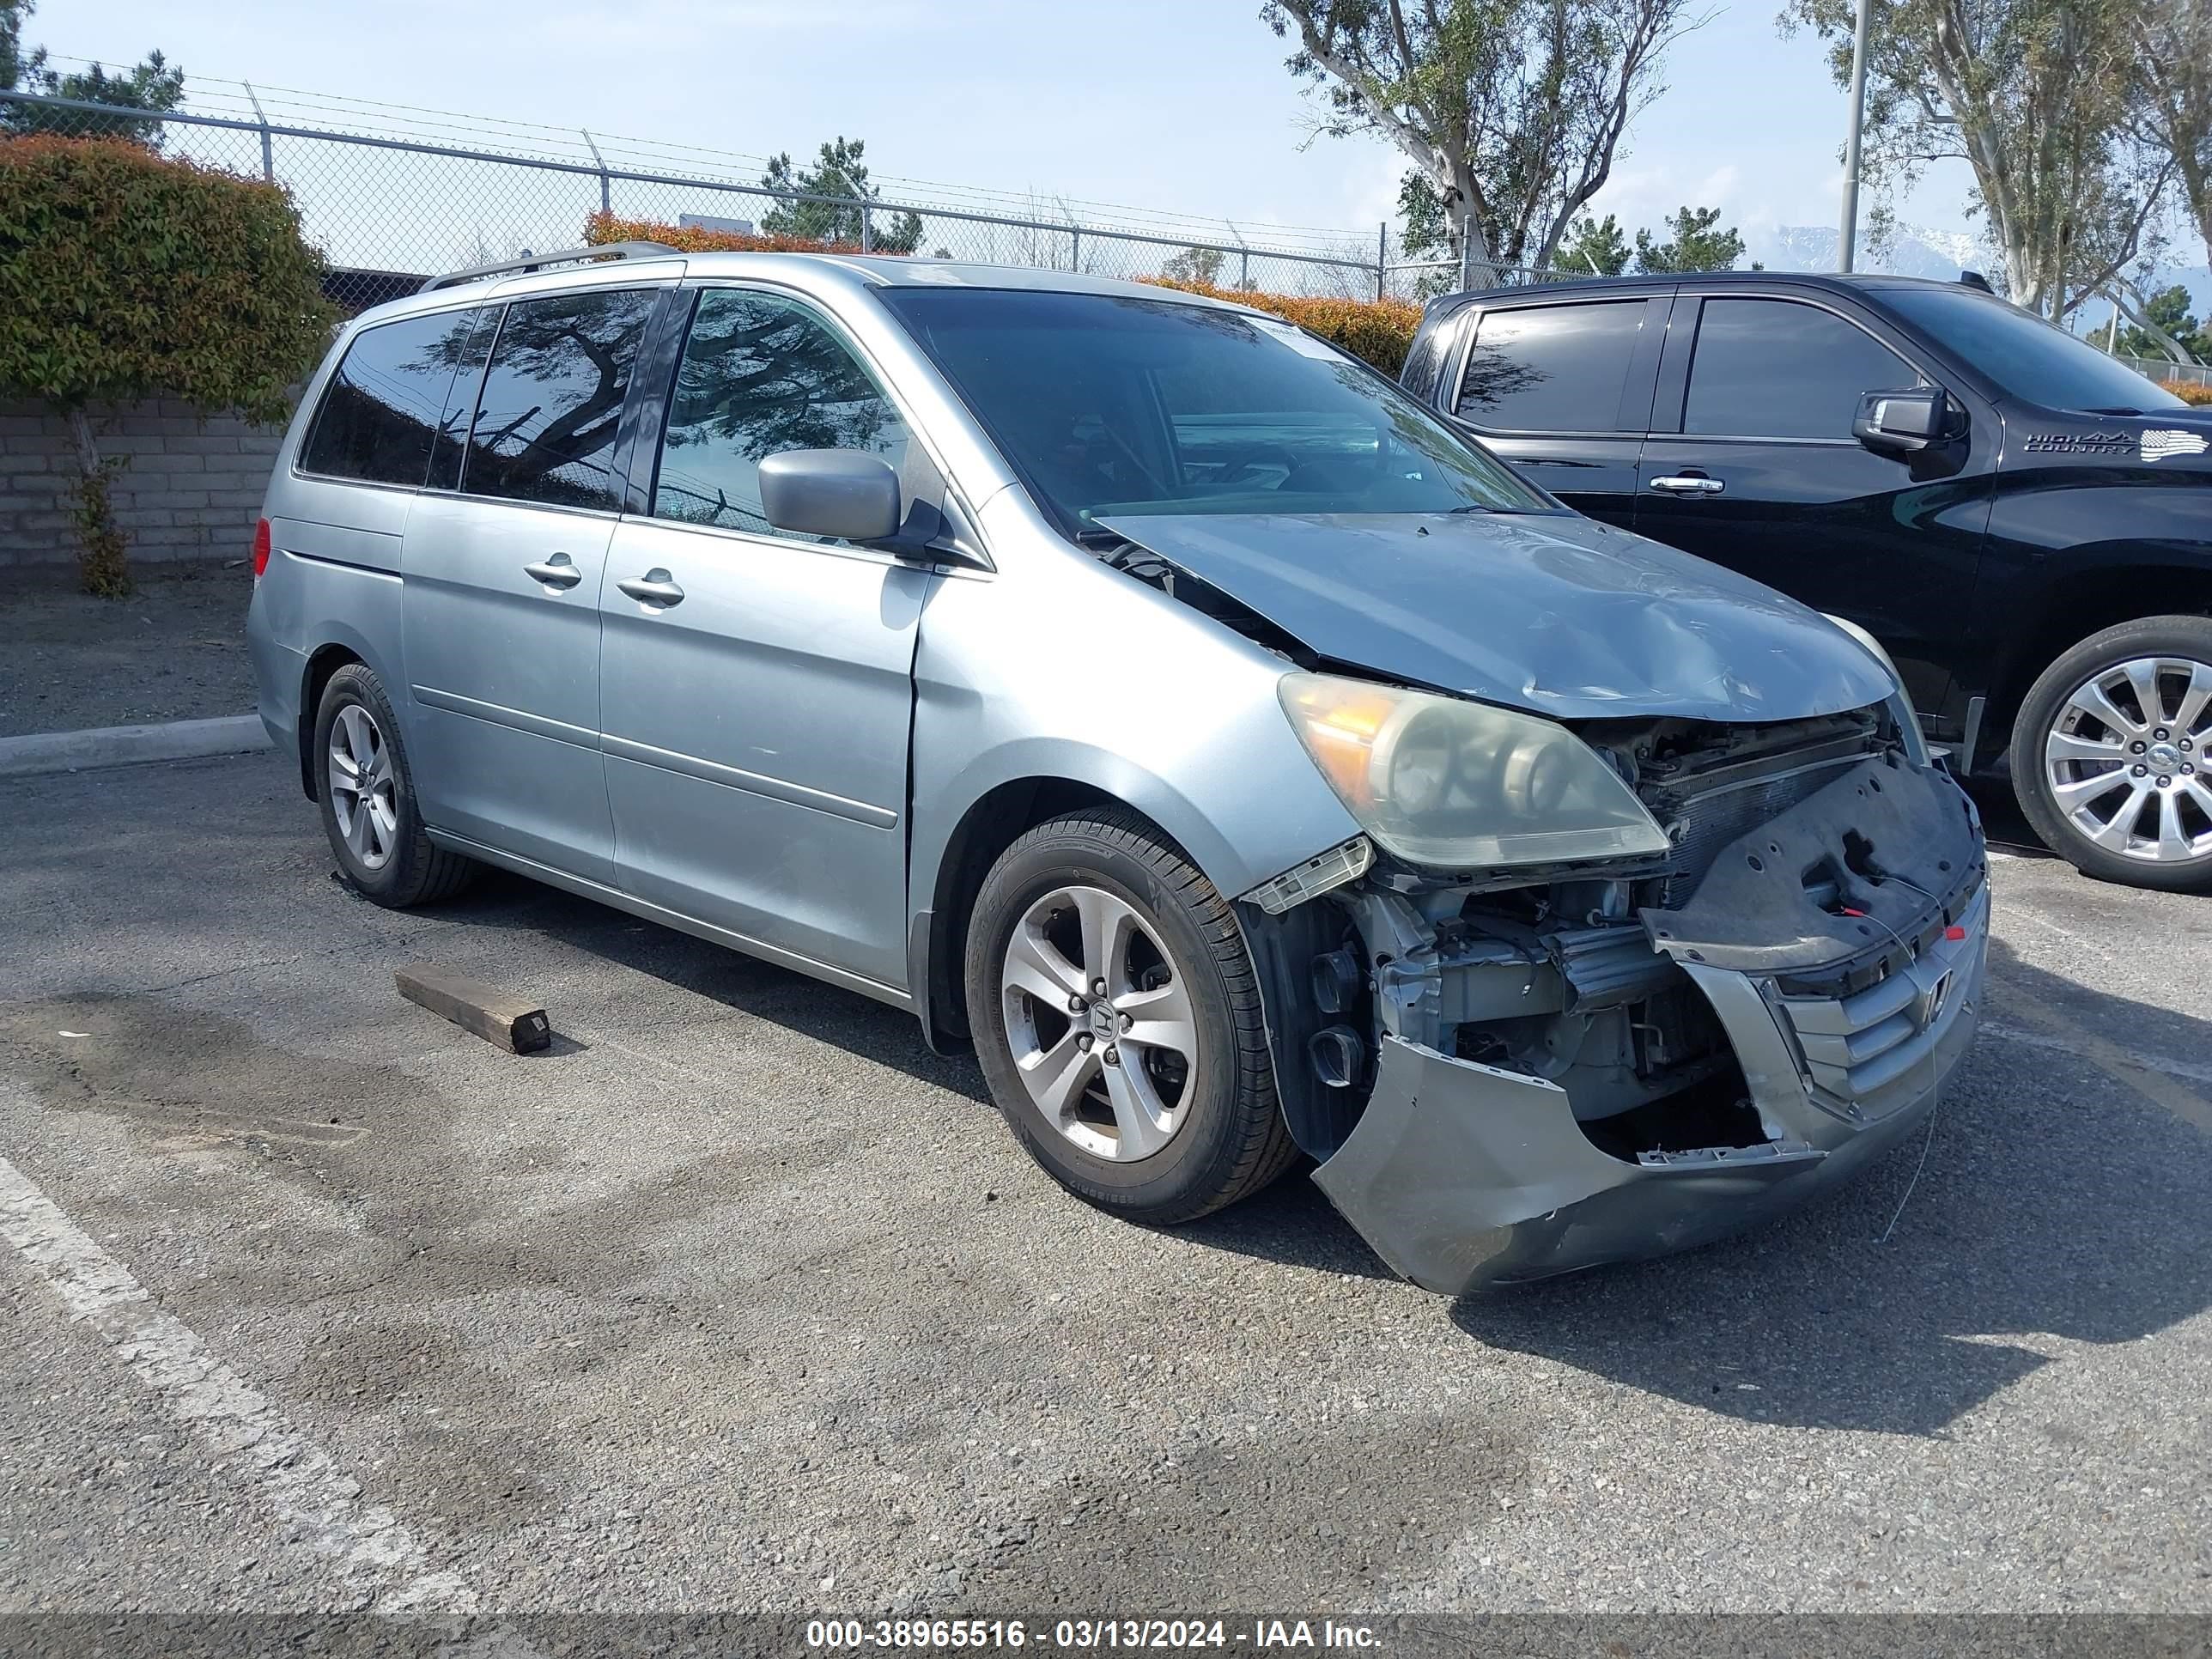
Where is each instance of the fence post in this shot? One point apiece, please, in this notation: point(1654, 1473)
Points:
point(267, 155)
point(1465, 220)
point(867, 229)
point(606, 188)
point(1382, 257)
point(1075, 247)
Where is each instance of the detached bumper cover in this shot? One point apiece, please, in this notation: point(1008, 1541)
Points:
point(1461, 1176)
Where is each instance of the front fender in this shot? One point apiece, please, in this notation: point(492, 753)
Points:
point(1055, 670)
point(1057, 667)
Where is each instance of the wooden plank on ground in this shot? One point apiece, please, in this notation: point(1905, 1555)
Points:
point(514, 1023)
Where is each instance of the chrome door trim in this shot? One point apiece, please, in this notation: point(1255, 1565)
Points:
point(752, 783)
point(583, 887)
point(499, 714)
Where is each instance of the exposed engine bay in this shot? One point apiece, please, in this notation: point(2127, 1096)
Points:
point(1570, 975)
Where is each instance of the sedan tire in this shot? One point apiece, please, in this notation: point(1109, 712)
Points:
point(1118, 1021)
point(2108, 754)
point(366, 793)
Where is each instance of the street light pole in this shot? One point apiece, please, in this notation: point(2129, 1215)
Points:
point(1848, 232)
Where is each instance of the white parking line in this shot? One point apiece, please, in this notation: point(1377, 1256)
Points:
point(299, 1481)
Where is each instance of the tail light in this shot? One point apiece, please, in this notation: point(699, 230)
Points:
point(260, 548)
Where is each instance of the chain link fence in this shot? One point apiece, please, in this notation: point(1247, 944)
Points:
point(2159, 369)
point(391, 193)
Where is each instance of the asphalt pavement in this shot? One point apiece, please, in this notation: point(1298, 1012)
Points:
point(740, 1298)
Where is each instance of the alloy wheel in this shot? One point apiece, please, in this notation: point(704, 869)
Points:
point(1101, 1023)
point(363, 788)
point(2124, 759)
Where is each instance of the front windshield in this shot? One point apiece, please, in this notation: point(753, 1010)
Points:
point(1109, 405)
point(2028, 357)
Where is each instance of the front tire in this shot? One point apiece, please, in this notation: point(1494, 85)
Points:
point(366, 794)
point(1118, 1022)
point(2108, 754)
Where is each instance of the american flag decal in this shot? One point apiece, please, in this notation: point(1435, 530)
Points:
point(2157, 446)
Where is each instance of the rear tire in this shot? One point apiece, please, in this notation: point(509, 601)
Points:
point(2108, 754)
point(365, 791)
point(1156, 1101)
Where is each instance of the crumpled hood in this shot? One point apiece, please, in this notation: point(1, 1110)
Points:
point(1550, 612)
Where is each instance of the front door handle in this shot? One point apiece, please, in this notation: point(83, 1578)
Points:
point(656, 587)
point(1691, 485)
point(559, 571)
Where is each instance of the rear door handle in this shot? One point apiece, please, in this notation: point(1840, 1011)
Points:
point(1689, 486)
point(558, 571)
point(656, 587)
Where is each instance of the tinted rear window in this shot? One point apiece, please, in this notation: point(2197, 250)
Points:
point(379, 419)
point(1550, 368)
point(552, 398)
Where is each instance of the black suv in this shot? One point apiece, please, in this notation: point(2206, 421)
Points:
point(2024, 523)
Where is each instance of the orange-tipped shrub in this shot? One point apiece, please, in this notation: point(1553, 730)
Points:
point(602, 227)
point(1378, 332)
point(2190, 392)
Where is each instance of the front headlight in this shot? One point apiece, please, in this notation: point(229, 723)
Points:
point(1438, 781)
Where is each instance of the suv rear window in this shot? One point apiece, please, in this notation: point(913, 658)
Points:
point(552, 399)
point(379, 419)
point(1550, 368)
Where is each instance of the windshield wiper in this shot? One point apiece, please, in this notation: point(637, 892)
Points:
point(2115, 408)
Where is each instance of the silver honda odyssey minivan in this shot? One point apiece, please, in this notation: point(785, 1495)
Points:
point(1238, 757)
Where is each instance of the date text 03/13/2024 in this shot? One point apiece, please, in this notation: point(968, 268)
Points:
point(1091, 1635)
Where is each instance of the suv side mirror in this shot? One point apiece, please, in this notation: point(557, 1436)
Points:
point(847, 493)
point(1902, 422)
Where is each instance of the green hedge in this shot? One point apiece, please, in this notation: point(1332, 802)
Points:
point(126, 276)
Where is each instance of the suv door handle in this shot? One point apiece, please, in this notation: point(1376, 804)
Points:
point(656, 587)
point(559, 571)
point(1688, 486)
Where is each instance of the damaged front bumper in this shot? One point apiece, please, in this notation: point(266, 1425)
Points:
point(1462, 1175)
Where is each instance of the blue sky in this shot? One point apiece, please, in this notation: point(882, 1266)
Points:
point(1183, 106)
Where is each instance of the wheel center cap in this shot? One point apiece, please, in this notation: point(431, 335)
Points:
point(1101, 1020)
point(2163, 756)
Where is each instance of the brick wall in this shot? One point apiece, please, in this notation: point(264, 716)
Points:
point(191, 489)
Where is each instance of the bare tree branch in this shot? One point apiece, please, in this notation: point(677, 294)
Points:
point(1512, 110)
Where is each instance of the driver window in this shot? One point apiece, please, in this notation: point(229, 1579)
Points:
point(1773, 368)
point(760, 376)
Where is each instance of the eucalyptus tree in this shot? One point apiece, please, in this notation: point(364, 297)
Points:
point(2037, 98)
point(1512, 111)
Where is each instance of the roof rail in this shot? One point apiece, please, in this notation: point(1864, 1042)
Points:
point(565, 256)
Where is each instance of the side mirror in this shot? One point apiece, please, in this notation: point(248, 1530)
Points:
point(847, 493)
point(1902, 422)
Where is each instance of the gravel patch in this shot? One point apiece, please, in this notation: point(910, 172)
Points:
point(175, 650)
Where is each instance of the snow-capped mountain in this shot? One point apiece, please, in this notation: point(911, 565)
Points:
point(1916, 251)
point(1919, 250)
